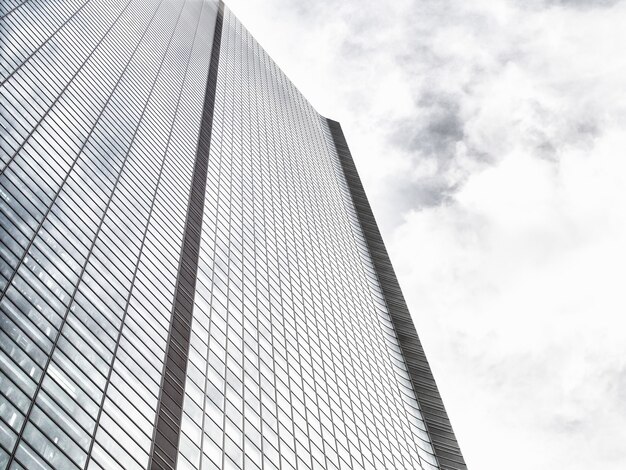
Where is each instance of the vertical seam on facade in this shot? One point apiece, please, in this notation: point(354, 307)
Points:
point(32, 54)
point(78, 155)
point(143, 239)
point(167, 427)
point(447, 451)
point(8, 12)
point(44, 374)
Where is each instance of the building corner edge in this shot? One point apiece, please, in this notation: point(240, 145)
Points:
point(167, 426)
point(445, 445)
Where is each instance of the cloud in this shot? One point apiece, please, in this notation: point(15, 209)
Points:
point(585, 3)
point(489, 136)
point(518, 283)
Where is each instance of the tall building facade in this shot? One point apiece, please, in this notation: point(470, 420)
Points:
point(190, 273)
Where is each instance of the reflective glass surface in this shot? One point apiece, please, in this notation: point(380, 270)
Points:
point(100, 112)
point(293, 360)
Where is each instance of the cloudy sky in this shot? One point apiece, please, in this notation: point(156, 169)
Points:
point(490, 136)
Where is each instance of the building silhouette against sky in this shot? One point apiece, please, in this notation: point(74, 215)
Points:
point(190, 273)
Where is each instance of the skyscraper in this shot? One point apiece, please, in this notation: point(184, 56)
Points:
point(190, 273)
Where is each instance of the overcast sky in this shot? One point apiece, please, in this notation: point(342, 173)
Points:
point(490, 137)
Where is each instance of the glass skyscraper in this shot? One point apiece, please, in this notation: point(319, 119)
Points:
point(190, 273)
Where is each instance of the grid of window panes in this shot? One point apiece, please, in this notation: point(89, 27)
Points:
point(293, 360)
point(100, 111)
point(415, 419)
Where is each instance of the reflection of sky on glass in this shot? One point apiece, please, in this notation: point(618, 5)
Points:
point(488, 136)
point(105, 189)
point(288, 294)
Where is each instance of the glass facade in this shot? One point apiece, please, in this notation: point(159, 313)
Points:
point(188, 274)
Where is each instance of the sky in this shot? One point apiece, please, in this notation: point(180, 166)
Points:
point(490, 139)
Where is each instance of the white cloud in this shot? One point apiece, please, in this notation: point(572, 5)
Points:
point(490, 138)
point(522, 275)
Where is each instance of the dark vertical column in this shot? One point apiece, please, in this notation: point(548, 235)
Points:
point(444, 442)
point(164, 451)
